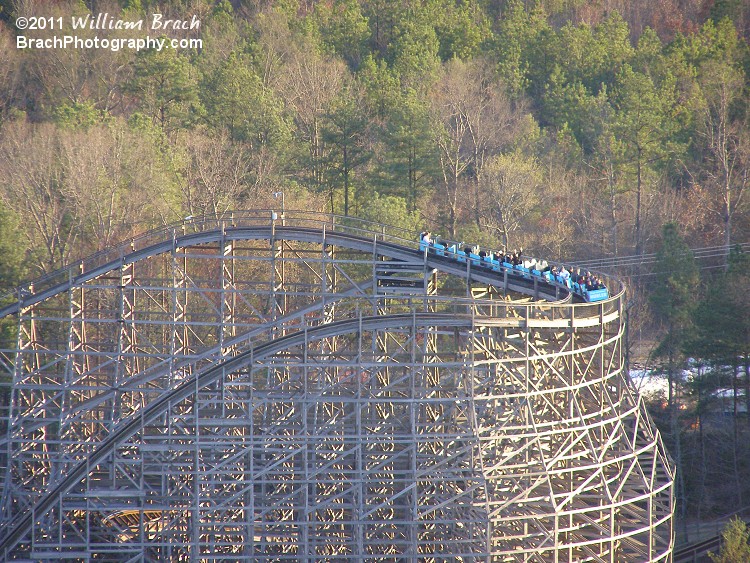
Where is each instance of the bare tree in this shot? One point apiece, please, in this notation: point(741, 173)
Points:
point(216, 173)
point(77, 75)
point(115, 181)
point(10, 70)
point(726, 141)
point(307, 83)
point(511, 190)
point(31, 185)
point(472, 121)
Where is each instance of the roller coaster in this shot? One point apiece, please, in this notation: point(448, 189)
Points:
point(308, 387)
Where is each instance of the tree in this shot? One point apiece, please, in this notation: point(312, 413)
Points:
point(393, 211)
point(415, 48)
point(643, 124)
point(74, 76)
point(31, 185)
point(308, 84)
point(165, 86)
point(410, 161)
point(722, 339)
point(673, 301)
point(462, 28)
point(522, 47)
point(735, 547)
point(229, 94)
point(381, 86)
point(473, 119)
point(568, 104)
point(673, 298)
point(12, 250)
point(591, 54)
point(10, 72)
point(725, 140)
point(117, 182)
point(223, 35)
point(216, 174)
point(343, 28)
point(345, 131)
point(511, 192)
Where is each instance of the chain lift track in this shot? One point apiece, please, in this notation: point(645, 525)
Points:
point(317, 388)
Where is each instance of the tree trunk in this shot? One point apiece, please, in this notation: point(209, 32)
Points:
point(639, 187)
point(346, 182)
point(727, 219)
point(613, 215)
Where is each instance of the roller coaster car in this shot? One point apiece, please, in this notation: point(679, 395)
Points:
point(528, 271)
point(525, 272)
point(458, 254)
point(491, 263)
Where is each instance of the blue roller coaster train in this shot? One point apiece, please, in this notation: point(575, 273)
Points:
point(585, 285)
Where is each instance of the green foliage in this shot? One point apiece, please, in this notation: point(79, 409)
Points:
point(462, 30)
point(715, 41)
point(521, 46)
point(166, 87)
point(591, 55)
point(722, 317)
point(643, 115)
point(673, 295)
point(381, 87)
point(415, 49)
point(12, 253)
point(77, 115)
point(345, 132)
point(392, 210)
point(229, 94)
point(410, 161)
point(735, 547)
point(344, 29)
point(571, 106)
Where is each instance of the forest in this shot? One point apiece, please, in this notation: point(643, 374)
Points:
point(575, 129)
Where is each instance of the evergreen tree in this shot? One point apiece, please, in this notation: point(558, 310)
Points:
point(230, 96)
point(522, 49)
point(735, 547)
point(462, 29)
point(643, 124)
point(166, 87)
point(722, 339)
point(343, 29)
point(410, 161)
point(673, 302)
point(345, 134)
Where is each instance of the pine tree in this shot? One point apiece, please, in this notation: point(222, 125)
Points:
point(735, 547)
point(673, 301)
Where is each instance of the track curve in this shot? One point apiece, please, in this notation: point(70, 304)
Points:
point(384, 249)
